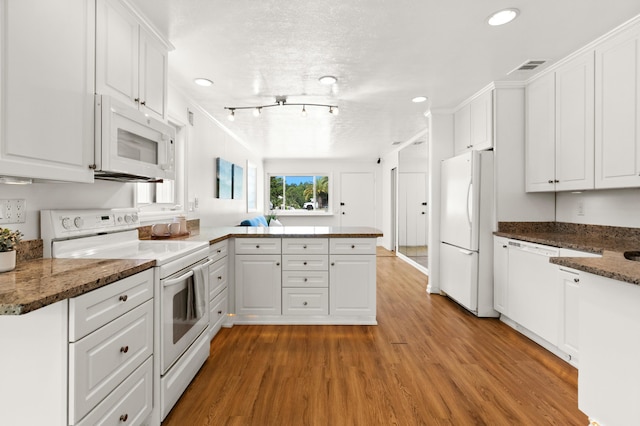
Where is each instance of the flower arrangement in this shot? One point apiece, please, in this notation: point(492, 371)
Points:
point(9, 239)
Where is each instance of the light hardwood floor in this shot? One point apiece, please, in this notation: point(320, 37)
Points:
point(428, 362)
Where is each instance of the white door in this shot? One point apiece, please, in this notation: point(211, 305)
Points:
point(457, 202)
point(459, 275)
point(357, 199)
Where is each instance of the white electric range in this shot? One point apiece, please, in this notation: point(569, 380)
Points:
point(181, 287)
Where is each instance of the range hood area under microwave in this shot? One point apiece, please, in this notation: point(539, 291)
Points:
point(131, 146)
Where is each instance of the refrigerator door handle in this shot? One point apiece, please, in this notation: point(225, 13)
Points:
point(469, 191)
point(467, 252)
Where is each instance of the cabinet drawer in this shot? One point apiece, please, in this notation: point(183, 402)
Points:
point(305, 279)
point(305, 301)
point(218, 312)
point(129, 404)
point(218, 277)
point(218, 250)
point(96, 308)
point(305, 246)
point(258, 245)
point(103, 359)
point(352, 246)
point(301, 262)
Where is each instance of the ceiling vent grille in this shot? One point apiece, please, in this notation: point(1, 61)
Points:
point(528, 66)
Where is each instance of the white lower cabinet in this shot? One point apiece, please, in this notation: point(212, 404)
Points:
point(64, 368)
point(352, 285)
point(218, 290)
point(258, 284)
point(313, 281)
point(609, 374)
point(568, 338)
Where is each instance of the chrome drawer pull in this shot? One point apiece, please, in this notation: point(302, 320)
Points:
point(124, 349)
point(305, 280)
point(124, 417)
point(304, 263)
point(123, 298)
point(219, 277)
point(304, 303)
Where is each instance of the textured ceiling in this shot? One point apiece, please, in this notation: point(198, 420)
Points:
point(383, 52)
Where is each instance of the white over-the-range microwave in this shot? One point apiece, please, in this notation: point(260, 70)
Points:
point(131, 146)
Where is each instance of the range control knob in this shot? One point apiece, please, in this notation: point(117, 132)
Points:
point(119, 219)
point(78, 222)
point(134, 217)
point(127, 218)
point(66, 223)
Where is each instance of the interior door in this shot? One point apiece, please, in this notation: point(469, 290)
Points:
point(357, 199)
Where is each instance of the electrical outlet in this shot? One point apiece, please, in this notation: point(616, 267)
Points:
point(13, 211)
point(580, 208)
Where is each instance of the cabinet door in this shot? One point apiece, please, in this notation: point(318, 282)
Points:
point(568, 338)
point(352, 285)
point(540, 135)
point(500, 274)
point(258, 284)
point(47, 77)
point(117, 42)
point(574, 124)
point(462, 130)
point(481, 119)
point(617, 123)
point(153, 75)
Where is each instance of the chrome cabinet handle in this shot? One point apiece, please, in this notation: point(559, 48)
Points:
point(304, 303)
point(304, 263)
point(124, 417)
point(178, 280)
point(123, 298)
point(576, 280)
point(124, 349)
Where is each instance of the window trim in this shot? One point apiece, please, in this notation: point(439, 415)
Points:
point(301, 213)
point(161, 211)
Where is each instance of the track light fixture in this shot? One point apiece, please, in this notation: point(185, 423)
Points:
point(280, 102)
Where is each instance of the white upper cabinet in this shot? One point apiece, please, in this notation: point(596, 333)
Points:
point(474, 124)
point(617, 123)
point(560, 138)
point(46, 129)
point(131, 64)
point(574, 124)
point(540, 143)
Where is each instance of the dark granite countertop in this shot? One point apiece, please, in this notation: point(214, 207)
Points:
point(609, 241)
point(40, 282)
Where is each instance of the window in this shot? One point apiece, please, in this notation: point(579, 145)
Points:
point(299, 193)
point(167, 198)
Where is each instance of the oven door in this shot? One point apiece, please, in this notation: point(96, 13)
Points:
point(131, 143)
point(184, 311)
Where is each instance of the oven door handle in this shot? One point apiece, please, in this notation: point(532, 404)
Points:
point(174, 281)
point(208, 263)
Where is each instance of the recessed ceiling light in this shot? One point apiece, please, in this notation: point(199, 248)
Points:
point(502, 17)
point(204, 82)
point(327, 79)
point(419, 99)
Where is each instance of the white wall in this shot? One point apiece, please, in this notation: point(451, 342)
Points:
point(43, 196)
point(440, 147)
point(208, 140)
point(612, 207)
point(333, 168)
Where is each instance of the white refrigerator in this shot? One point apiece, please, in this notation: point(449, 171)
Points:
point(466, 231)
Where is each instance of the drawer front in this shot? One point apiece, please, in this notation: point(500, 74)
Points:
point(129, 404)
point(301, 262)
point(305, 279)
point(218, 250)
point(305, 246)
point(258, 245)
point(218, 313)
point(99, 362)
point(352, 246)
point(96, 308)
point(305, 301)
point(218, 277)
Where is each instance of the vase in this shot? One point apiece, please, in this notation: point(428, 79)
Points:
point(7, 261)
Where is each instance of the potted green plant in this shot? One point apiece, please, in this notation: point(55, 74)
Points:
point(8, 241)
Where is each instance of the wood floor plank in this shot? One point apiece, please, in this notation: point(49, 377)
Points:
point(428, 362)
